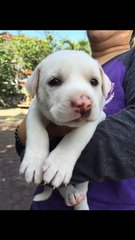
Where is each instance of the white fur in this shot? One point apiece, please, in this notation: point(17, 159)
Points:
point(75, 69)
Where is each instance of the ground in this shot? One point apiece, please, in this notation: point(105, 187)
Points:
point(15, 193)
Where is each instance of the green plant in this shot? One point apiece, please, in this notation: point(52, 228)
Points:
point(19, 54)
point(16, 55)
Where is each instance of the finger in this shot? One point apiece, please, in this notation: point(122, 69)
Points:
point(79, 197)
point(71, 200)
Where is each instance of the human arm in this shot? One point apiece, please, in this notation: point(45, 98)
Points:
point(111, 152)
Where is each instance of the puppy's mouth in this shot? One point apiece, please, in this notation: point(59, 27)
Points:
point(84, 116)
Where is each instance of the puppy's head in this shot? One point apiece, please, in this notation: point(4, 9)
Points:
point(71, 87)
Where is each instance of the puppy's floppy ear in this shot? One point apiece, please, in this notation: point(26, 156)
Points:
point(32, 81)
point(106, 83)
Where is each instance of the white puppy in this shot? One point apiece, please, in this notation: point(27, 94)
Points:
point(70, 89)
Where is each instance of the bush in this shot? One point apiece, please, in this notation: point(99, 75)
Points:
point(16, 55)
point(19, 54)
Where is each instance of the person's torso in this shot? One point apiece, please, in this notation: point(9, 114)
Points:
point(114, 195)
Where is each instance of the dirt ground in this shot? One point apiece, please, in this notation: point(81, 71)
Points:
point(15, 193)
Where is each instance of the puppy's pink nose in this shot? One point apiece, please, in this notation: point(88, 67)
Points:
point(81, 104)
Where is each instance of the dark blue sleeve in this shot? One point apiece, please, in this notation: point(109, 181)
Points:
point(111, 152)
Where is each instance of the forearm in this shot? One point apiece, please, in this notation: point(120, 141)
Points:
point(111, 152)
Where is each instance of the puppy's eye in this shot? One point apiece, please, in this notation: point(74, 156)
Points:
point(94, 82)
point(55, 82)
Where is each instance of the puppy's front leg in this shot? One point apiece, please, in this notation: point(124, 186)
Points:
point(60, 163)
point(37, 145)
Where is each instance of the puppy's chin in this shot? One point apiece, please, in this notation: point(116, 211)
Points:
point(72, 123)
point(75, 122)
point(62, 115)
point(72, 120)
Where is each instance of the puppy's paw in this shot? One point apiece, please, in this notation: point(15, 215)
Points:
point(44, 195)
point(31, 166)
point(57, 170)
point(74, 198)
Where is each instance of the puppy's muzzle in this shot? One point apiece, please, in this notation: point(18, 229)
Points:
point(82, 105)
